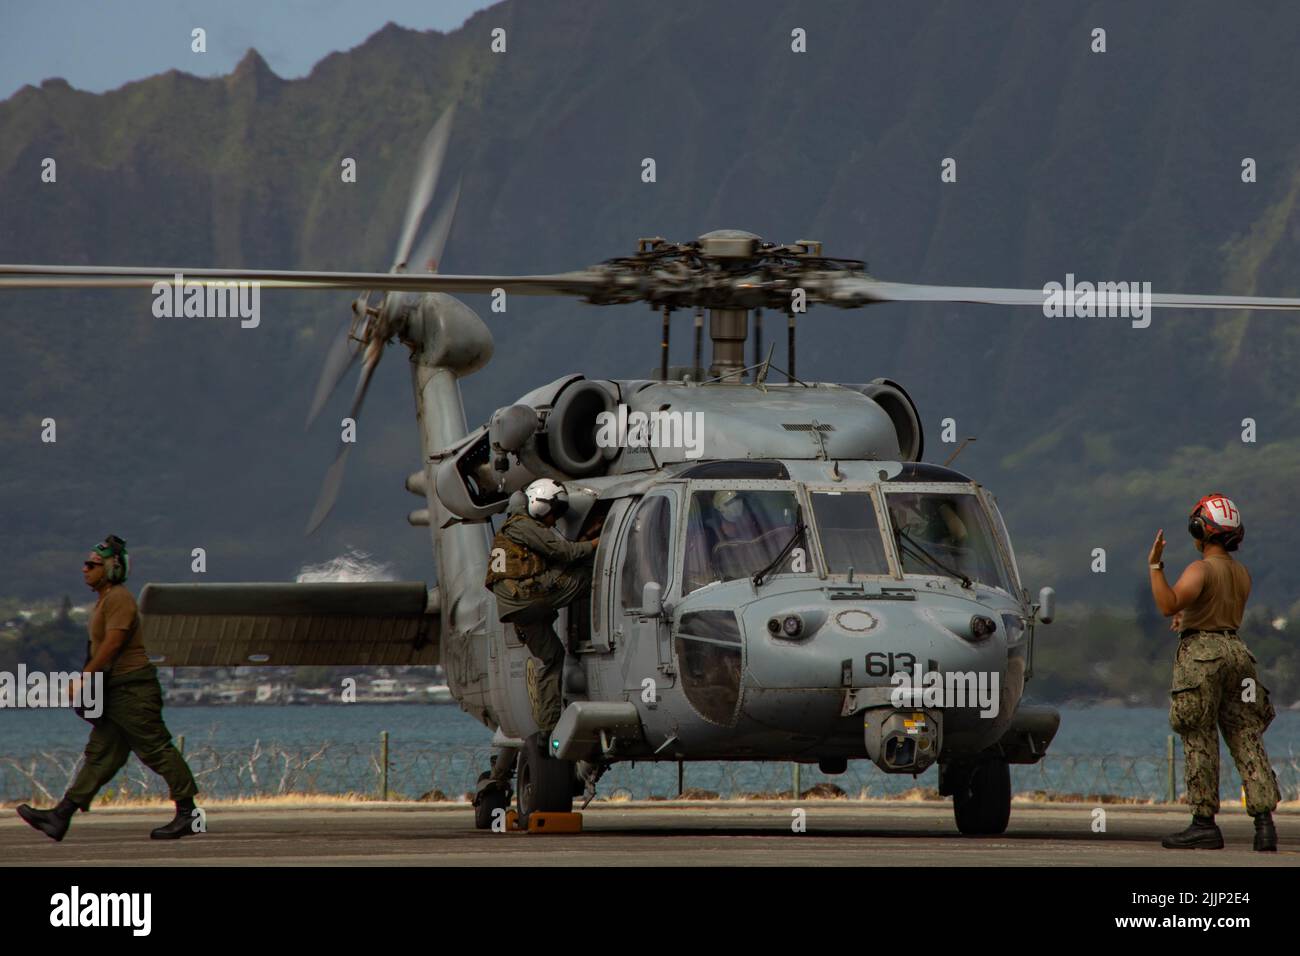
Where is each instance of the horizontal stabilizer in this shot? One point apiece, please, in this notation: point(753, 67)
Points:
point(336, 623)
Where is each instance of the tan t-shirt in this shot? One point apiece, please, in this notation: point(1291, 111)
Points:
point(1222, 600)
point(116, 611)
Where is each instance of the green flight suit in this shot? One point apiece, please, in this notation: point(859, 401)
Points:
point(131, 721)
point(532, 604)
point(1213, 672)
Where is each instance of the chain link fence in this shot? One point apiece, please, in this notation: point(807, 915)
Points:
point(424, 770)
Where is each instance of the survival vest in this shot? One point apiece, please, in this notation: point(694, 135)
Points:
point(520, 563)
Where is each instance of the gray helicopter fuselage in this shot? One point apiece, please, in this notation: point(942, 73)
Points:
point(706, 673)
point(775, 564)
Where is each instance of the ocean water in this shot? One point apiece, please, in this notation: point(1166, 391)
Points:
point(1127, 731)
point(234, 727)
point(246, 750)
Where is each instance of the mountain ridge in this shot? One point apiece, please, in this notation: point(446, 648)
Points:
point(1124, 165)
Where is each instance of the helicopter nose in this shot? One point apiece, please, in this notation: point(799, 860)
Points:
point(883, 653)
point(837, 644)
point(905, 674)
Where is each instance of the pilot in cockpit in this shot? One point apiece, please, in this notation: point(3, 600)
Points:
point(935, 521)
point(730, 520)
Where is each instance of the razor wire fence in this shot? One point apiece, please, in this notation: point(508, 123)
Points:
point(424, 770)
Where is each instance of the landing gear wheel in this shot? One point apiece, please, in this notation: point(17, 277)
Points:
point(545, 782)
point(981, 799)
point(488, 802)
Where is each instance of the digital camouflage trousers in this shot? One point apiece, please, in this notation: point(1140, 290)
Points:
point(1216, 688)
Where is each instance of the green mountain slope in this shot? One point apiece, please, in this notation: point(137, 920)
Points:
point(1125, 165)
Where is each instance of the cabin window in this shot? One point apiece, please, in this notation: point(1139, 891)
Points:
point(709, 657)
point(645, 558)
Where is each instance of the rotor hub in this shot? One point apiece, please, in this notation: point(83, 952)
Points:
point(729, 244)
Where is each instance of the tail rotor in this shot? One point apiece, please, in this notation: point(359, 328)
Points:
point(373, 324)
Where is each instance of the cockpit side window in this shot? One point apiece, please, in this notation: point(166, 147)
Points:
point(1000, 526)
point(734, 533)
point(645, 558)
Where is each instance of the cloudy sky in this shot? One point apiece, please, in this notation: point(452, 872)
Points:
point(99, 46)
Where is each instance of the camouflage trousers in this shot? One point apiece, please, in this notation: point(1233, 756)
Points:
point(1215, 687)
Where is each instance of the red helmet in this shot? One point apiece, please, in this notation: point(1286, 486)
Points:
point(1216, 518)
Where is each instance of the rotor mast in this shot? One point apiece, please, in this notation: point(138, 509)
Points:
point(728, 327)
point(728, 330)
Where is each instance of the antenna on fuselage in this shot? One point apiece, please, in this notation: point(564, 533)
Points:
point(663, 347)
point(953, 456)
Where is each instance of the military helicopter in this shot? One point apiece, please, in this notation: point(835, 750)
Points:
point(762, 587)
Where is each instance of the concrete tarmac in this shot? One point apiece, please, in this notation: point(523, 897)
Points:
point(712, 833)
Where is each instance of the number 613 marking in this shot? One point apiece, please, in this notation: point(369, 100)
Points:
point(883, 663)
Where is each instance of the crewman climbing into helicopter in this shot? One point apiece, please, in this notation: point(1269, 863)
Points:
point(534, 571)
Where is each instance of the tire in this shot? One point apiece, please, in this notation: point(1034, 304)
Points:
point(544, 784)
point(489, 801)
point(981, 799)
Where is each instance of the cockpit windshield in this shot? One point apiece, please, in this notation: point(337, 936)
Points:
point(945, 534)
point(734, 533)
point(850, 535)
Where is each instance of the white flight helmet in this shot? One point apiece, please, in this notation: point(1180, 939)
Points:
point(546, 496)
point(729, 504)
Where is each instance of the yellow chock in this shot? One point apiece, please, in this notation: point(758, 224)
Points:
point(554, 823)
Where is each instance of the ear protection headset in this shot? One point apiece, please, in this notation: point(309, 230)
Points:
point(115, 548)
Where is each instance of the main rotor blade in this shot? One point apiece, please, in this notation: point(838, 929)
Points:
point(133, 277)
point(343, 352)
point(426, 180)
point(848, 292)
point(428, 254)
point(851, 292)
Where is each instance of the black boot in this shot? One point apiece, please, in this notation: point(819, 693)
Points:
point(1265, 833)
point(53, 823)
point(1203, 834)
point(181, 825)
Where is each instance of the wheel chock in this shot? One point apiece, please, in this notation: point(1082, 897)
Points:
point(555, 823)
point(545, 823)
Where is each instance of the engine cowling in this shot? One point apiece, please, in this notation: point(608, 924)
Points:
point(504, 456)
point(572, 425)
point(900, 408)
